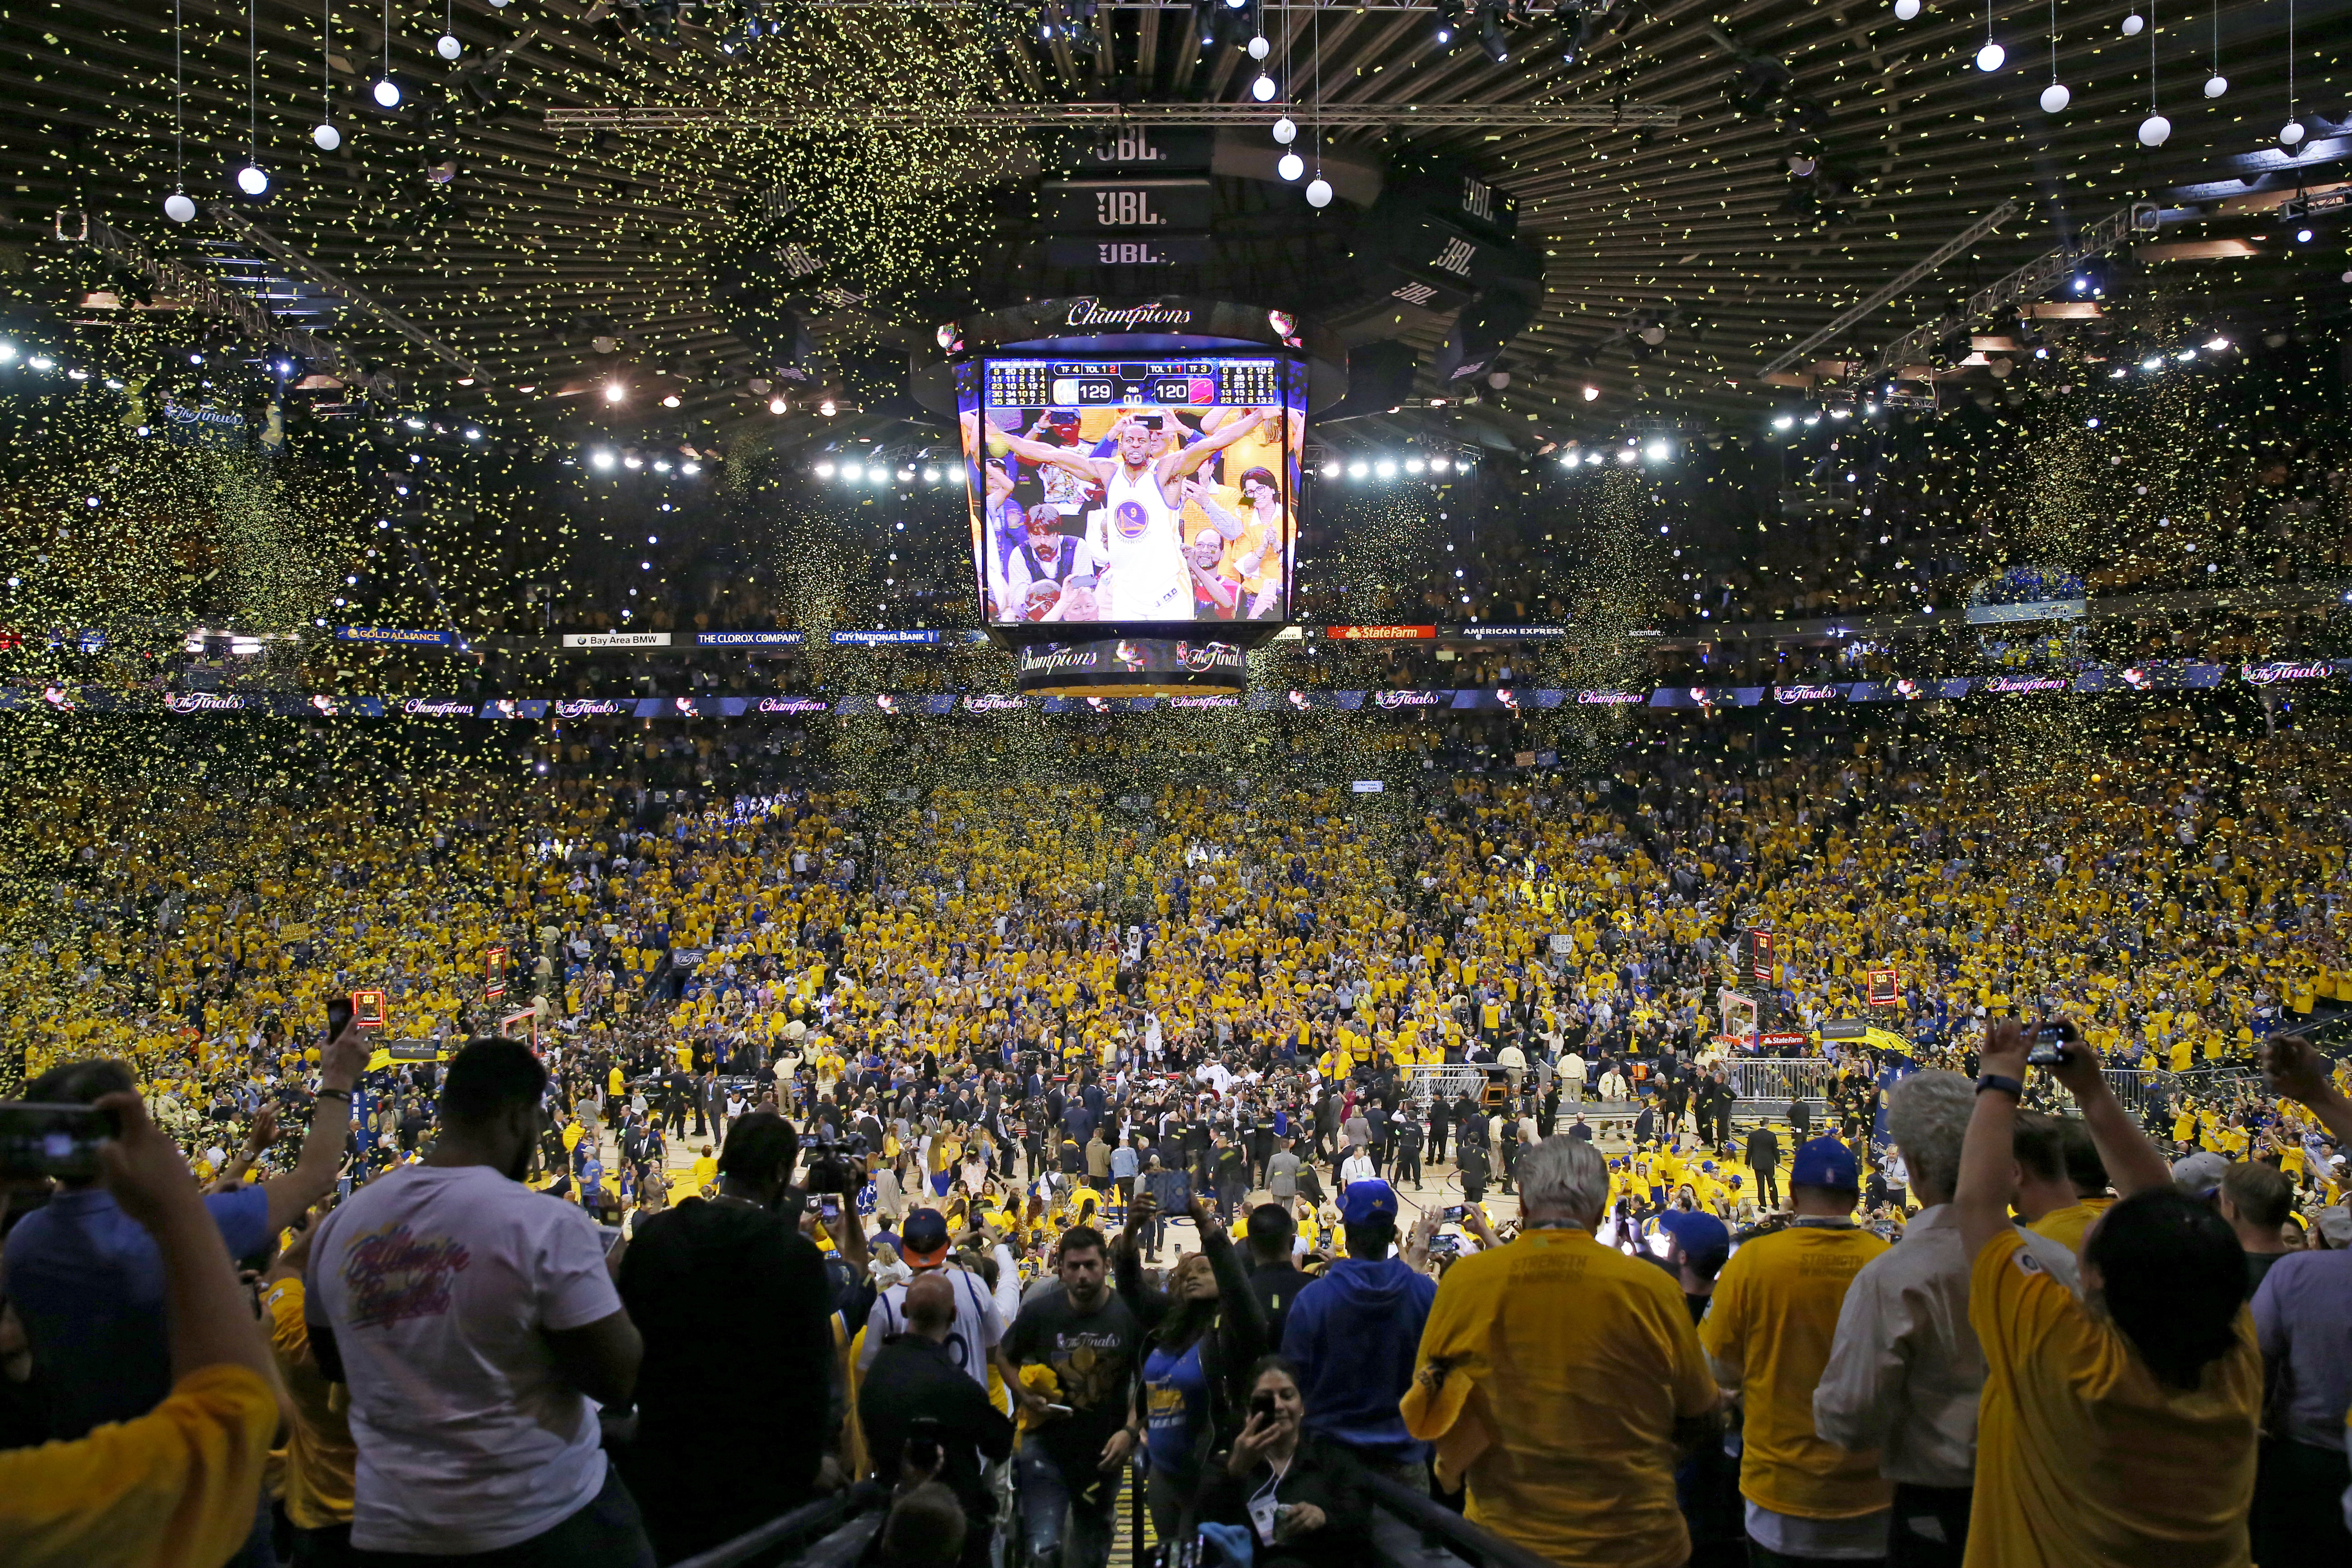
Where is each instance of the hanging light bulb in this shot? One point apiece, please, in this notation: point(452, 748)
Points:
point(2133, 24)
point(1259, 47)
point(1318, 192)
point(1290, 165)
point(1263, 89)
point(1907, 10)
point(2292, 133)
point(1285, 130)
point(326, 136)
point(2154, 130)
point(252, 180)
point(447, 47)
point(1988, 58)
point(179, 208)
point(2056, 96)
point(2216, 85)
point(387, 94)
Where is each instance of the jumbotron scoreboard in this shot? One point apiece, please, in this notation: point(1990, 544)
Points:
point(1203, 382)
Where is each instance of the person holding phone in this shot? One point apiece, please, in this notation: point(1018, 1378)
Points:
point(922, 1413)
point(86, 1277)
point(177, 1484)
point(1288, 1488)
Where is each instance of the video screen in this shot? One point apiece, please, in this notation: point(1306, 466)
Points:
point(1135, 490)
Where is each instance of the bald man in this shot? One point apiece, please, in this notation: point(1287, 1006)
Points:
point(915, 1379)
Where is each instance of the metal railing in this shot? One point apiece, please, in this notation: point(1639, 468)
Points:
point(823, 1529)
point(1781, 1078)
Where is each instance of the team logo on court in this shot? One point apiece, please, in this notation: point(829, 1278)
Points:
point(1133, 520)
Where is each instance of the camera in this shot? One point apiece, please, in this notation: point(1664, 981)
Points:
point(832, 1162)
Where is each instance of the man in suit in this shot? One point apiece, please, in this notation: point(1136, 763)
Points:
point(1764, 1159)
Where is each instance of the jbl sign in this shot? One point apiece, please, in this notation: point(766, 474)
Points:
point(1161, 250)
point(1126, 209)
point(1100, 207)
point(1149, 150)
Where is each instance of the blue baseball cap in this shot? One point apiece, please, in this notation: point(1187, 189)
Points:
point(1702, 1236)
point(1365, 1199)
point(1826, 1162)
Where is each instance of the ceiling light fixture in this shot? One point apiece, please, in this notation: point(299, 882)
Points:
point(1990, 58)
point(324, 133)
point(253, 179)
point(387, 91)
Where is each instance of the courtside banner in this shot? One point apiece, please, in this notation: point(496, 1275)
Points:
point(1514, 634)
point(403, 637)
point(1380, 634)
point(750, 640)
point(616, 639)
point(885, 638)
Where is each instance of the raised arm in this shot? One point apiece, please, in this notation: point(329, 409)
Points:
point(1227, 525)
point(1185, 459)
point(2132, 1163)
point(1030, 451)
point(2299, 1073)
point(321, 1156)
point(1988, 1177)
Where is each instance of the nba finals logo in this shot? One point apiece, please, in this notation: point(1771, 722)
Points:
point(1132, 520)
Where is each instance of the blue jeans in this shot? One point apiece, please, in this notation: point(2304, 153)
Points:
point(1046, 1498)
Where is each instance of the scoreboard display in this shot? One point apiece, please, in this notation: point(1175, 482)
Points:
point(1133, 493)
point(1133, 384)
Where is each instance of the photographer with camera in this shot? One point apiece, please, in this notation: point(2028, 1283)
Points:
point(2119, 1425)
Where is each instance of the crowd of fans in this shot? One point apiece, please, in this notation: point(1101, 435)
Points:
point(1266, 1141)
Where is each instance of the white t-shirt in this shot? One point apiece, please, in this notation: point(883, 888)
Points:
point(438, 1283)
point(977, 1328)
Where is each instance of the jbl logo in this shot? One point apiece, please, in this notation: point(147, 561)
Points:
point(1133, 146)
point(1126, 209)
point(1128, 253)
point(797, 262)
point(1416, 293)
point(1455, 257)
point(1478, 199)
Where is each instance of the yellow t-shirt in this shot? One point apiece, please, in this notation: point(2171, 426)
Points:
point(1774, 1314)
point(705, 1172)
point(2066, 1227)
point(1550, 1374)
point(2084, 1459)
point(174, 1489)
point(321, 1457)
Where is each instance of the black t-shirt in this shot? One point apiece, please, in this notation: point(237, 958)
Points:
point(1094, 1355)
point(732, 1303)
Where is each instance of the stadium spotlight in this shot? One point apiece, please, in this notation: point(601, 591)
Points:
point(1657, 452)
point(614, 392)
point(1492, 40)
point(601, 460)
point(1357, 470)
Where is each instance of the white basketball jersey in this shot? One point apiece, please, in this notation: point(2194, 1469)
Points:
point(1143, 551)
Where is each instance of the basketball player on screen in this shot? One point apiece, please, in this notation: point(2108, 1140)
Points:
point(1145, 576)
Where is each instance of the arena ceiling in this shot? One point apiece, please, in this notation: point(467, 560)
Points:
point(530, 224)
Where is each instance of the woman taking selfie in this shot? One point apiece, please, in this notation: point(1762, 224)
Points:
point(1284, 1486)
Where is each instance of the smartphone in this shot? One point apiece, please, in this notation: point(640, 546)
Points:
point(1061, 1410)
point(1453, 1214)
point(828, 1208)
point(1262, 1404)
point(59, 1141)
point(339, 1016)
point(2048, 1045)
